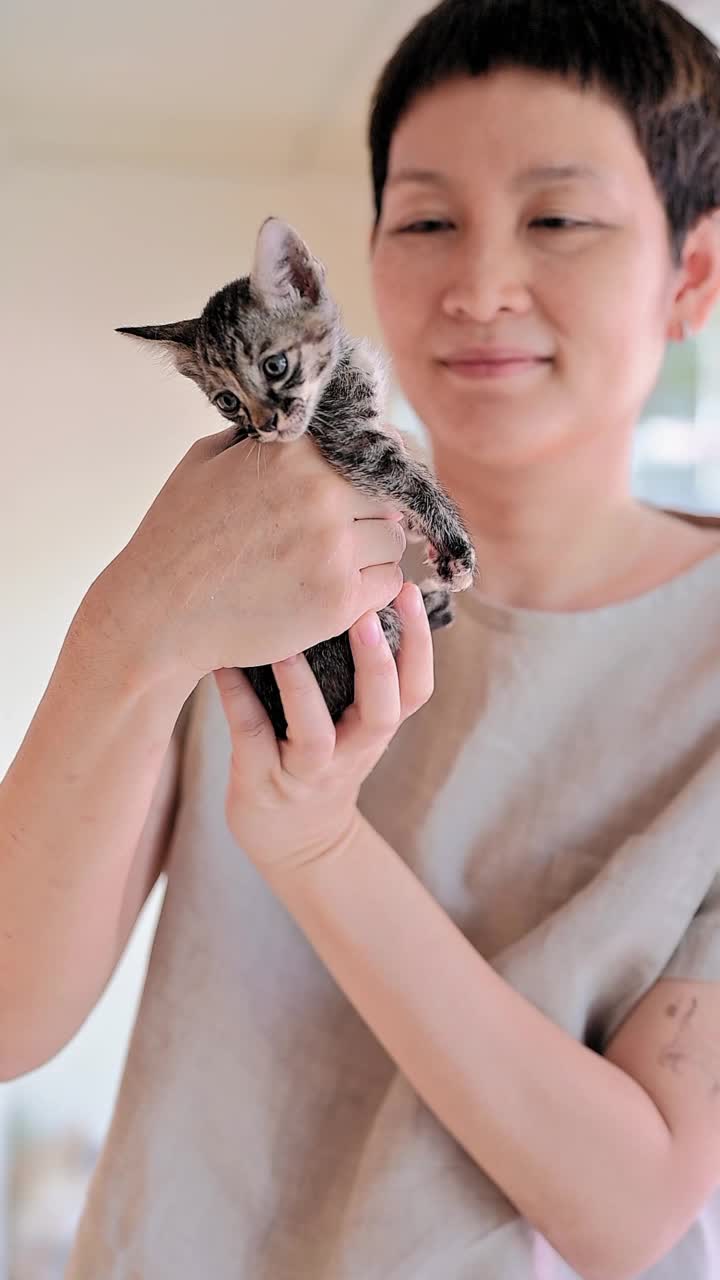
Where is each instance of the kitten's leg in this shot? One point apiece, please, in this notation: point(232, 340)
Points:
point(390, 623)
point(439, 608)
point(378, 466)
point(439, 605)
point(411, 530)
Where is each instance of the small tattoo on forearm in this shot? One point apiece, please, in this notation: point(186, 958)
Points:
point(689, 1048)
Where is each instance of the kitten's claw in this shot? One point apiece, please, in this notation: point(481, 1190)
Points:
point(461, 578)
point(456, 570)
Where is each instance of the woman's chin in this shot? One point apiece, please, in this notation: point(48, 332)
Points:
point(511, 435)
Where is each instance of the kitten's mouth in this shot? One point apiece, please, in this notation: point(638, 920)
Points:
point(268, 430)
point(283, 434)
point(290, 428)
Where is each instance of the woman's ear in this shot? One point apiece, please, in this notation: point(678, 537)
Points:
point(699, 274)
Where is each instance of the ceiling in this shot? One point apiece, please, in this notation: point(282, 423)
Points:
point(277, 84)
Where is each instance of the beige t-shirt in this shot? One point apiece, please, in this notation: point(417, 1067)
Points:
point(559, 796)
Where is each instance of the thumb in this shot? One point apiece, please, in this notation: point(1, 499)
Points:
point(218, 441)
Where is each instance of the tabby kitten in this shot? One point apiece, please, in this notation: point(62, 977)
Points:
point(270, 352)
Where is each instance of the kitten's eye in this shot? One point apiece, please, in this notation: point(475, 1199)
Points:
point(226, 402)
point(275, 366)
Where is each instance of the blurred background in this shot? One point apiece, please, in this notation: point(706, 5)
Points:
point(142, 145)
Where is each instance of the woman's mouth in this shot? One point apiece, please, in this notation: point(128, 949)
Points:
point(480, 364)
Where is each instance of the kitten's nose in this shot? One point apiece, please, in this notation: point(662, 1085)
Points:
point(270, 425)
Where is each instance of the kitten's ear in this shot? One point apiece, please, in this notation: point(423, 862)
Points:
point(178, 341)
point(284, 269)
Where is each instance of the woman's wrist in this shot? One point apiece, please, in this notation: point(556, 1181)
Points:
point(110, 641)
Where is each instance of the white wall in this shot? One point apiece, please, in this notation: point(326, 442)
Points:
point(92, 426)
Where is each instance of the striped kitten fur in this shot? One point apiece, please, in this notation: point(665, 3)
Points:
point(270, 352)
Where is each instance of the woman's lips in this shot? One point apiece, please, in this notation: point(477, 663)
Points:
point(493, 367)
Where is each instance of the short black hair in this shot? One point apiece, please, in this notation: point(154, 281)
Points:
point(657, 66)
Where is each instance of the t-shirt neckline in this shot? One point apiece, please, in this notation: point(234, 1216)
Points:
point(673, 592)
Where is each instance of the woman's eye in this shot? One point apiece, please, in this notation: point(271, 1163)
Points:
point(275, 366)
point(226, 402)
point(559, 223)
point(425, 225)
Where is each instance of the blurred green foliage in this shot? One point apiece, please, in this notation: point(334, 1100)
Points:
point(676, 392)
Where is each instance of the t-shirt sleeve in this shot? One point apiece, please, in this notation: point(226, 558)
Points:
point(697, 955)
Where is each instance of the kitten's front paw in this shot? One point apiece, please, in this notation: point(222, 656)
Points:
point(455, 565)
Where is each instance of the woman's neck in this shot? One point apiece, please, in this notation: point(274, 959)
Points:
point(563, 536)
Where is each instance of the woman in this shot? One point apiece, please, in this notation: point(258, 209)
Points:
point(467, 1025)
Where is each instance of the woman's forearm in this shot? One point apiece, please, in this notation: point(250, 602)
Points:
point(574, 1143)
point(73, 804)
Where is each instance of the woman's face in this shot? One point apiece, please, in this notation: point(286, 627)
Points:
point(519, 218)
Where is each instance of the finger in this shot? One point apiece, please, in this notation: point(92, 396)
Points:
point(254, 745)
point(216, 443)
point(414, 659)
point(310, 731)
point(378, 542)
point(378, 586)
point(375, 713)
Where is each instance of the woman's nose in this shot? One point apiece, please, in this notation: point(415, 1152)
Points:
point(485, 279)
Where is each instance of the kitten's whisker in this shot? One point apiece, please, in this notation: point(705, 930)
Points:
point(249, 450)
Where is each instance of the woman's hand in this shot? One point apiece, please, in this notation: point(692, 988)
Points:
point(291, 802)
point(248, 554)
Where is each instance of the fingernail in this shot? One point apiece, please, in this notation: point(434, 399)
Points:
point(369, 629)
point(415, 602)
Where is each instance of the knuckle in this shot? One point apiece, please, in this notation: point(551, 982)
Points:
point(329, 591)
point(337, 618)
point(382, 723)
point(397, 536)
point(390, 586)
point(383, 660)
point(342, 598)
point(338, 551)
point(317, 746)
point(332, 552)
point(251, 724)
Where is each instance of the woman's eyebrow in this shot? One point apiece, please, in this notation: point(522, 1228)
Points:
point(418, 175)
point(557, 173)
point(527, 178)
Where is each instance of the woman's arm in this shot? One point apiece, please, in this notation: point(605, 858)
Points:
point(85, 813)
point(574, 1143)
